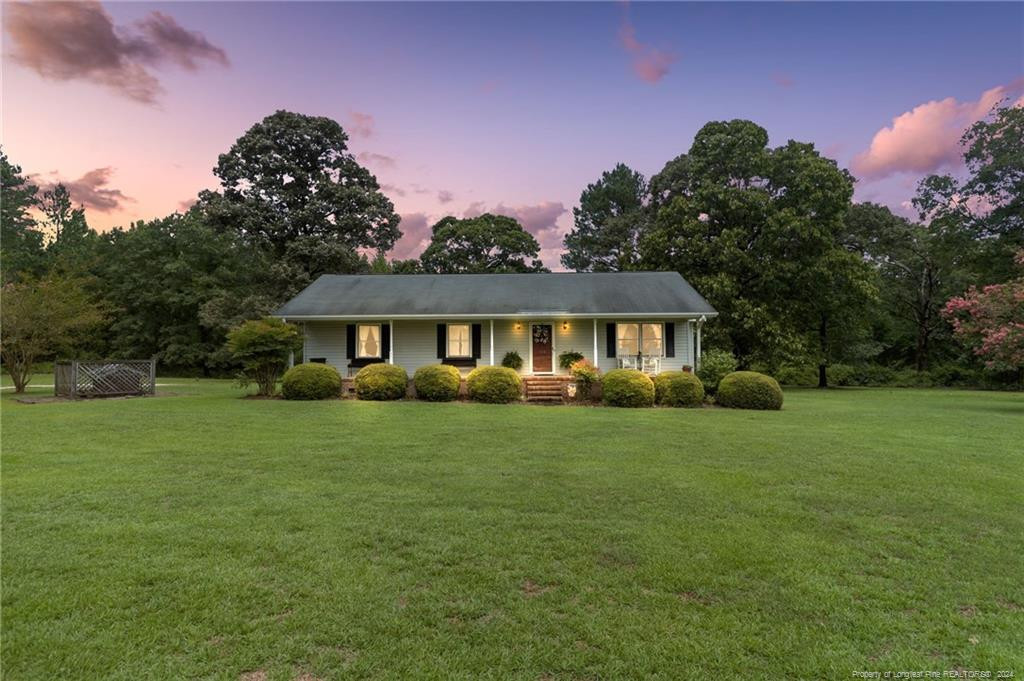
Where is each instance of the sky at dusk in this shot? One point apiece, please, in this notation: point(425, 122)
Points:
point(462, 108)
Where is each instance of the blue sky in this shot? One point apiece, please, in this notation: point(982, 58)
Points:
point(515, 107)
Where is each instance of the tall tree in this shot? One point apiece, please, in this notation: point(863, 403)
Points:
point(838, 313)
point(42, 317)
point(988, 204)
point(487, 243)
point(919, 267)
point(21, 243)
point(176, 286)
point(291, 177)
point(56, 206)
point(745, 223)
point(607, 223)
point(72, 243)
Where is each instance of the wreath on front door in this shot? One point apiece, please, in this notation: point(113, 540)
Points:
point(542, 334)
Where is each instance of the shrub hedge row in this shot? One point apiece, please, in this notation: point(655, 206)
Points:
point(501, 385)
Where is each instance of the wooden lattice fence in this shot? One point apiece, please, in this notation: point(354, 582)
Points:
point(106, 378)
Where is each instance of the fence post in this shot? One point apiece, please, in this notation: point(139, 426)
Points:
point(152, 377)
point(73, 393)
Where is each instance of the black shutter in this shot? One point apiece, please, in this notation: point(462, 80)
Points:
point(670, 339)
point(441, 340)
point(610, 339)
point(350, 341)
point(385, 341)
point(476, 341)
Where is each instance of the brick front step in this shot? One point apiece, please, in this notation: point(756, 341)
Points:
point(545, 388)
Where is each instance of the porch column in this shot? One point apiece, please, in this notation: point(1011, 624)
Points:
point(492, 342)
point(291, 353)
point(696, 360)
point(391, 345)
point(595, 341)
point(690, 335)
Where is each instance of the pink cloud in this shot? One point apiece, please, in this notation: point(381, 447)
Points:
point(66, 41)
point(415, 235)
point(391, 189)
point(927, 138)
point(91, 191)
point(539, 219)
point(370, 158)
point(650, 64)
point(361, 125)
point(445, 196)
point(782, 80)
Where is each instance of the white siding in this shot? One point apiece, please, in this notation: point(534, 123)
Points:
point(414, 342)
point(684, 345)
point(326, 339)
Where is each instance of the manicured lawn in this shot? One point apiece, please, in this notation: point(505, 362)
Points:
point(206, 536)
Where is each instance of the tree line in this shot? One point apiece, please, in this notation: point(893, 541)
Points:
point(769, 235)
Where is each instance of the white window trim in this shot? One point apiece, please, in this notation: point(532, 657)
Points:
point(639, 337)
point(359, 343)
point(448, 340)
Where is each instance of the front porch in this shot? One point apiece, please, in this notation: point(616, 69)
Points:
point(650, 345)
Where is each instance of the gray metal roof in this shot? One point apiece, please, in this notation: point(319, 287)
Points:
point(606, 294)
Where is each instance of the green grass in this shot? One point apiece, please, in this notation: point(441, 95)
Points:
point(206, 536)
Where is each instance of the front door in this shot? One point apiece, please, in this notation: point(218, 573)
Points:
point(542, 360)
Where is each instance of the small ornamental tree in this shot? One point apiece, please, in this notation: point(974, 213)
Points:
point(991, 321)
point(42, 317)
point(263, 347)
point(587, 376)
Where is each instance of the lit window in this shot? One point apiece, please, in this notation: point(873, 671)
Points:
point(628, 339)
point(369, 340)
point(650, 335)
point(459, 344)
point(646, 339)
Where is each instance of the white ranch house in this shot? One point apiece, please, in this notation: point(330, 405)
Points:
point(646, 320)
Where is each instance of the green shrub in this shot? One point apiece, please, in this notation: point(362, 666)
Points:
point(714, 365)
point(512, 360)
point(875, 374)
point(628, 388)
point(841, 374)
point(792, 374)
point(311, 382)
point(437, 382)
point(262, 346)
point(567, 359)
point(587, 376)
point(749, 390)
point(496, 385)
point(381, 382)
point(678, 389)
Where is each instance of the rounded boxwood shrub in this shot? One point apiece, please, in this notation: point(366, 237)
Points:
point(628, 388)
point(437, 382)
point(496, 385)
point(381, 382)
point(678, 389)
point(311, 382)
point(749, 390)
